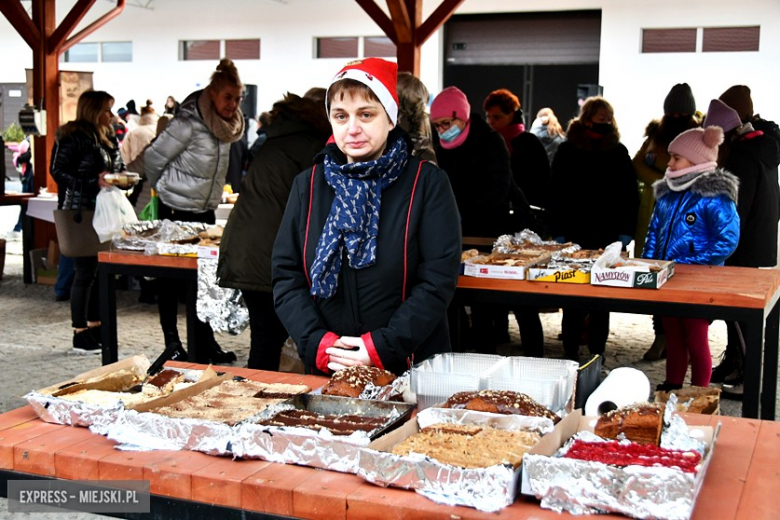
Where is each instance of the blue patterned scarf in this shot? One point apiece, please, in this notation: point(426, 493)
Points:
point(353, 221)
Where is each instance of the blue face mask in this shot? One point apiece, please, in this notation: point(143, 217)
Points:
point(450, 134)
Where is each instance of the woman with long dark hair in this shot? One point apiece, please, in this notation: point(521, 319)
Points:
point(85, 150)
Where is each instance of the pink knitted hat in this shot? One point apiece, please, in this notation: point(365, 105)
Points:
point(722, 115)
point(451, 102)
point(698, 145)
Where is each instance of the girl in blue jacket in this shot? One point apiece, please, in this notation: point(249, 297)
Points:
point(695, 221)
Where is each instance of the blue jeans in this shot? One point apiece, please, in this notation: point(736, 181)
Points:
point(65, 275)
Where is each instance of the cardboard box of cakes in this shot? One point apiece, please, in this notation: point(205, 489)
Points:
point(656, 488)
point(99, 395)
point(455, 456)
point(566, 267)
point(508, 266)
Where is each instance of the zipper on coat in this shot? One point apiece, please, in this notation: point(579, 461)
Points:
point(213, 179)
point(669, 229)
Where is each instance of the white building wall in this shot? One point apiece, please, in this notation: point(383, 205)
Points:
point(635, 83)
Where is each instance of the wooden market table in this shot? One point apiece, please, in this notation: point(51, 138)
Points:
point(135, 263)
point(717, 293)
point(741, 481)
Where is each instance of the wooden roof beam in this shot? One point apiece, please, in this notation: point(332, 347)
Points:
point(94, 26)
point(437, 19)
point(380, 18)
point(21, 21)
point(75, 15)
point(403, 23)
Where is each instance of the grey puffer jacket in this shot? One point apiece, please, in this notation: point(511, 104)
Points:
point(187, 164)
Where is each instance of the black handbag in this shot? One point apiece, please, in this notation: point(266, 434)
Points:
point(75, 234)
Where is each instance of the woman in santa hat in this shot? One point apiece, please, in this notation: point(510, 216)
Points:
point(366, 259)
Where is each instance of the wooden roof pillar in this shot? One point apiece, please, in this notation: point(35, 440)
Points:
point(405, 27)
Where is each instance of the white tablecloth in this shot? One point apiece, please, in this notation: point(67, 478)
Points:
point(42, 208)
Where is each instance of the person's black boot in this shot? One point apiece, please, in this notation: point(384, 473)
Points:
point(220, 357)
point(97, 334)
point(729, 367)
point(179, 353)
point(667, 387)
point(84, 343)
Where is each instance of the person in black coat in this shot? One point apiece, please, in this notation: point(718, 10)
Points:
point(366, 259)
point(85, 150)
point(491, 204)
point(530, 167)
point(296, 129)
point(751, 155)
point(593, 202)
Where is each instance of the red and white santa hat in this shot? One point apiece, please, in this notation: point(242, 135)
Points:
point(381, 76)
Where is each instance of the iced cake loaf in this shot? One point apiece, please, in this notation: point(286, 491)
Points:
point(469, 446)
point(500, 401)
point(231, 401)
point(351, 381)
point(641, 423)
point(336, 424)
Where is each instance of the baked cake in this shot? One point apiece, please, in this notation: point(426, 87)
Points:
point(500, 401)
point(336, 424)
point(693, 399)
point(351, 381)
point(633, 454)
point(469, 446)
point(640, 423)
point(231, 402)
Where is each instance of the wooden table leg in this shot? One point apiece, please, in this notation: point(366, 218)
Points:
point(753, 334)
point(108, 315)
point(769, 385)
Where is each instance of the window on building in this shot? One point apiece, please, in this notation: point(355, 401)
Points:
point(668, 40)
point(199, 50)
point(730, 39)
point(116, 51)
point(337, 47)
point(242, 49)
point(379, 46)
point(81, 52)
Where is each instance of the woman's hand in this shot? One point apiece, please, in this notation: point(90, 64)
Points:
point(348, 351)
point(102, 183)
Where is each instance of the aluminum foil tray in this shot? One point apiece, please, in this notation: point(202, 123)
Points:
point(486, 489)
point(581, 487)
point(291, 445)
point(442, 375)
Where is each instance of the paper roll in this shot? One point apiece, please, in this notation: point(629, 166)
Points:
point(622, 387)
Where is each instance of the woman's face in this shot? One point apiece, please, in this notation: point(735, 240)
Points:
point(498, 119)
point(602, 117)
point(106, 116)
point(360, 127)
point(226, 101)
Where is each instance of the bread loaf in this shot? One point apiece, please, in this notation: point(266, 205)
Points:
point(641, 423)
point(500, 401)
point(351, 381)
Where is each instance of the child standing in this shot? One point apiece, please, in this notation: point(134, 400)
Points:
point(695, 221)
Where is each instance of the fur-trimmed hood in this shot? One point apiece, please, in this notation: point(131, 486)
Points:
point(707, 184)
point(584, 138)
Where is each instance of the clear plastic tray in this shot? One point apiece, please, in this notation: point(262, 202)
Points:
point(551, 382)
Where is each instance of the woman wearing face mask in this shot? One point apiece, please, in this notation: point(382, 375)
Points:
point(186, 165)
point(366, 258)
point(593, 203)
point(477, 162)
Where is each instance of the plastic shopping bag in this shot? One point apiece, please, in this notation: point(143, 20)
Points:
point(112, 212)
point(151, 211)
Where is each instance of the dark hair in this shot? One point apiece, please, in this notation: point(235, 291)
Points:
point(352, 87)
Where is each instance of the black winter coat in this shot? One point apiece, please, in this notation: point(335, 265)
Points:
point(402, 299)
point(530, 168)
point(753, 159)
point(293, 139)
point(593, 194)
point(78, 158)
point(481, 177)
